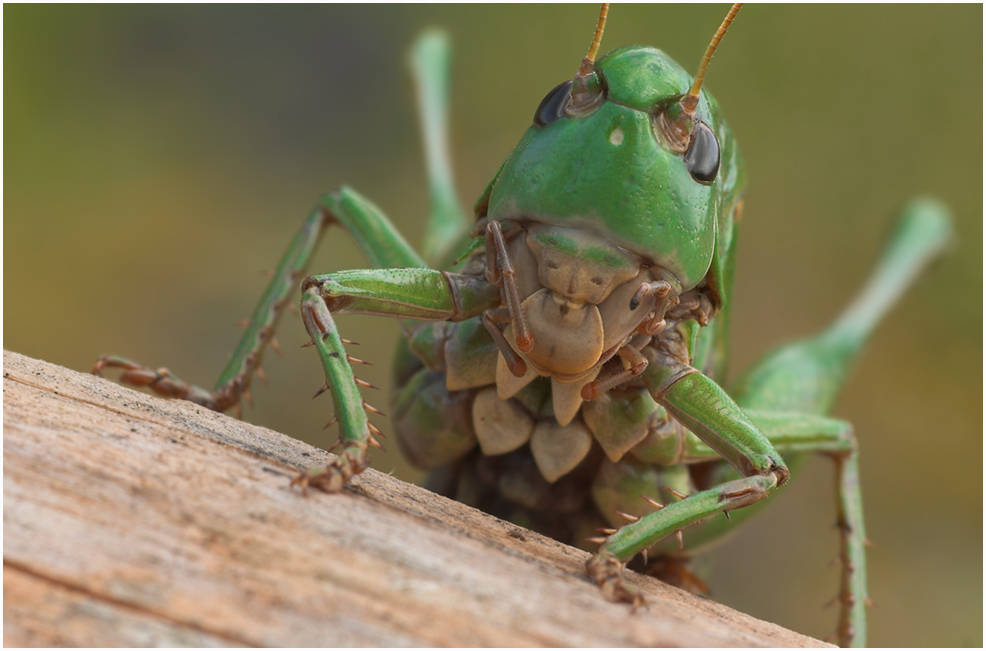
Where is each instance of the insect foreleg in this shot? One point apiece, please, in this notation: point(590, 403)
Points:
point(701, 405)
point(705, 409)
point(793, 435)
point(422, 294)
point(607, 565)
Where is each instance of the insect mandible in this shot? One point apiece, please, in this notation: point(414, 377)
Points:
point(564, 371)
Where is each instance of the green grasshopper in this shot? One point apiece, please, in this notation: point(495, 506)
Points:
point(562, 346)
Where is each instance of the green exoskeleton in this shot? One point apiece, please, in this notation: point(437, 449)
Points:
point(566, 345)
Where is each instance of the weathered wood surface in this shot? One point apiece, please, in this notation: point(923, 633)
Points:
point(134, 521)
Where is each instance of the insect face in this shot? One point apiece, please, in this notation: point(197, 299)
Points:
point(619, 171)
point(577, 296)
point(617, 188)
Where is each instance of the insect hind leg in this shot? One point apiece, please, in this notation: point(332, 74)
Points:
point(447, 223)
point(806, 376)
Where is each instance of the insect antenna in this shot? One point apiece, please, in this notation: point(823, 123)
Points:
point(690, 101)
point(586, 87)
point(678, 120)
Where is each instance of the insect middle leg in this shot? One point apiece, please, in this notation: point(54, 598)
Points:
point(797, 433)
point(792, 435)
point(806, 377)
point(382, 244)
point(374, 234)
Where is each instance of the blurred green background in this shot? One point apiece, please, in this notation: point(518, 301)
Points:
point(157, 158)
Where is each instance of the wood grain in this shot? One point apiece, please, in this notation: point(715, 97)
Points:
point(135, 521)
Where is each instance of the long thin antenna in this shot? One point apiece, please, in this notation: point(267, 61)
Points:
point(590, 57)
point(690, 101)
point(585, 86)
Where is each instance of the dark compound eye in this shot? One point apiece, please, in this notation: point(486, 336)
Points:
point(702, 157)
point(553, 105)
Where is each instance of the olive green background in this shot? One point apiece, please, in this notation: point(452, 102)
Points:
point(157, 158)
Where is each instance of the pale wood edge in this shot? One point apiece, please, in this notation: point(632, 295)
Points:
point(135, 521)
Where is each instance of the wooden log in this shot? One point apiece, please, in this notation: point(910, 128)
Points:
point(135, 521)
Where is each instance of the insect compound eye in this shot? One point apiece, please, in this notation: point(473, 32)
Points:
point(702, 156)
point(553, 105)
